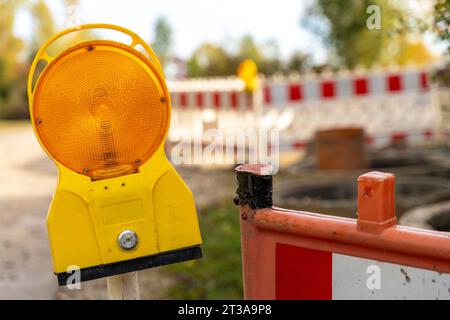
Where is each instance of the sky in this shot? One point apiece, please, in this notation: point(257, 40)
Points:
point(197, 21)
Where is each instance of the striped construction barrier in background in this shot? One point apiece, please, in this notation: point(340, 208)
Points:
point(391, 105)
point(301, 255)
point(220, 103)
point(296, 90)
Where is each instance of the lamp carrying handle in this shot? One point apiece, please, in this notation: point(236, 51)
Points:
point(42, 54)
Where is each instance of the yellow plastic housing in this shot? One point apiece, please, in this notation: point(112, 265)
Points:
point(101, 111)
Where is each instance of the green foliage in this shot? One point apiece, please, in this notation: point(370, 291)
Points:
point(13, 97)
point(218, 275)
point(211, 60)
point(298, 61)
point(162, 42)
point(442, 21)
point(342, 26)
point(14, 64)
point(10, 45)
point(248, 49)
point(43, 21)
point(11, 72)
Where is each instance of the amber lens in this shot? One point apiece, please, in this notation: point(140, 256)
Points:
point(100, 107)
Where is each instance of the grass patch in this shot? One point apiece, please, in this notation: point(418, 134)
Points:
point(218, 275)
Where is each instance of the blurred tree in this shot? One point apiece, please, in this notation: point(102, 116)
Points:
point(162, 42)
point(14, 64)
point(210, 60)
point(10, 44)
point(407, 52)
point(271, 66)
point(442, 21)
point(43, 21)
point(298, 62)
point(248, 49)
point(266, 57)
point(441, 25)
point(10, 69)
point(271, 62)
point(342, 24)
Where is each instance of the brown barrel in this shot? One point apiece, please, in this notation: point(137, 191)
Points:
point(341, 149)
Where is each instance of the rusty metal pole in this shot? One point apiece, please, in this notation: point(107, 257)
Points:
point(254, 191)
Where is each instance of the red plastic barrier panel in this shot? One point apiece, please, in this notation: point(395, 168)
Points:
point(301, 255)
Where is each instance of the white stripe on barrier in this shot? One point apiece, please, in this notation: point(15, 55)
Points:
point(345, 88)
point(357, 278)
point(311, 91)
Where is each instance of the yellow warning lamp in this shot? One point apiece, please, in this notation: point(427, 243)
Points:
point(248, 72)
point(101, 111)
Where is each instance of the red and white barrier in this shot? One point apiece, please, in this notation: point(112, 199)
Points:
point(202, 104)
point(314, 274)
point(282, 93)
point(385, 105)
point(228, 100)
point(302, 255)
point(390, 106)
